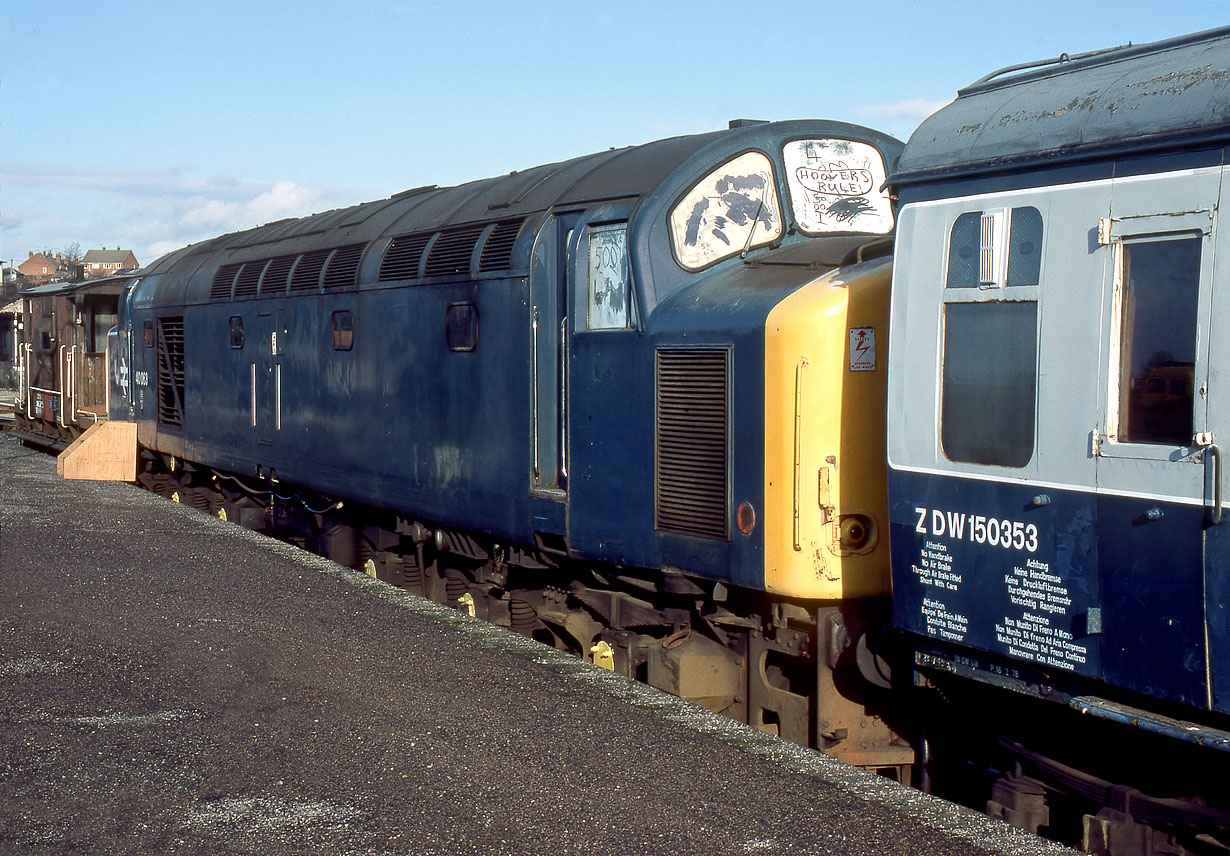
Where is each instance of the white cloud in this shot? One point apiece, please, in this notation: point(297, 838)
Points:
point(915, 109)
point(149, 210)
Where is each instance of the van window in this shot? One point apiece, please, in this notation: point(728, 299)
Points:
point(1157, 340)
point(989, 382)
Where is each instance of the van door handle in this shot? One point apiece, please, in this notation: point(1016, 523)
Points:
point(1212, 454)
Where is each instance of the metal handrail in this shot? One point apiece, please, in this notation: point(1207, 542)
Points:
point(62, 365)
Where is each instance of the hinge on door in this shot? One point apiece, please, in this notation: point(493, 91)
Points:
point(1105, 230)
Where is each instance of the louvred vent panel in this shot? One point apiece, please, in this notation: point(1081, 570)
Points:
point(307, 272)
point(451, 252)
point(343, 268)
point(691, 464)
point(277, 274)
point(498, 249)
point(220, 289)
point(401, 259)
point(249, 276)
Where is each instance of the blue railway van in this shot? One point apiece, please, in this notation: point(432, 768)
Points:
point(1055, 403)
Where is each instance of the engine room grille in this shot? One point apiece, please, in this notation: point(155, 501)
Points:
point(452, 251)
point(171, 371)
point(224, 278)
point(401, 259)
point(343, 268)
point(497, 250)
point(245, 283)
point(307, 272)
point(277, 274)
point(691, 461)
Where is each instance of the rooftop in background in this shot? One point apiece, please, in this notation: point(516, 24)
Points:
point(104, 262)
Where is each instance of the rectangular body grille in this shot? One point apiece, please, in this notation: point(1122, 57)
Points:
point(691, 462)
point(171, 371)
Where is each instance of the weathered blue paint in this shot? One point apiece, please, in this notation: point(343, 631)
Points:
point(401, 422)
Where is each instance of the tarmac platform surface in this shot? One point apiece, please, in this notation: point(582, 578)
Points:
point(173, 684)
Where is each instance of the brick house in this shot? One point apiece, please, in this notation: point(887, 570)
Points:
point(105, 262)
point(42, 268)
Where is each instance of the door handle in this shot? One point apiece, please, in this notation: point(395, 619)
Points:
point(1212, 454)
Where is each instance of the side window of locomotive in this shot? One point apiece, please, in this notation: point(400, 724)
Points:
point(461, 327)
point(148, 329)
point(835, 187)
point(609, 284)
point(343, 330)
point(980, 257)
point(235, 328)
point(990, 362)
point(732, 208)
point(1159, 291)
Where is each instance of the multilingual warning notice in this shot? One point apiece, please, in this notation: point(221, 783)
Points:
point(1042, 596)
point(1036, 621)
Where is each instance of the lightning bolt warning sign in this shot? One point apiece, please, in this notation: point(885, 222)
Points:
point(862, 349)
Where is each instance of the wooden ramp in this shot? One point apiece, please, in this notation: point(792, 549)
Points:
point(107, 451)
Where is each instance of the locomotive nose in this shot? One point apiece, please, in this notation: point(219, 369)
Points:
point(825, 481)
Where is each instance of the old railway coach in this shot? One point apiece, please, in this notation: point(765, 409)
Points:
point(597, 401)
point(1058, 352)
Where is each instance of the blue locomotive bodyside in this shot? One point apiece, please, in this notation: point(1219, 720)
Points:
point(629, 404)
point(499, 356)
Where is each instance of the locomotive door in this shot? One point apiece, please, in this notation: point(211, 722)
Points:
point(550, 285)
point(265, 381)
point(1152, 461)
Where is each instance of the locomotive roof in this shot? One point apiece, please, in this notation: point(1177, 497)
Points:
point(1121, 100)
point(630, 173)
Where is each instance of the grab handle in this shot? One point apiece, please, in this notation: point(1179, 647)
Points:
point(1213, 454)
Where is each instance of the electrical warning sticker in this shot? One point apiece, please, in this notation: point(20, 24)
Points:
point(862, 349)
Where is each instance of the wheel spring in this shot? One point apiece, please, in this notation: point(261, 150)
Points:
point(521, 615)
point(454, 588)
point(198, 499)
point(414, 574)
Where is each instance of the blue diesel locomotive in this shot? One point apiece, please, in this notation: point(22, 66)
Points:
point(636, 405)
point(596, 401)
point(1056, 482)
